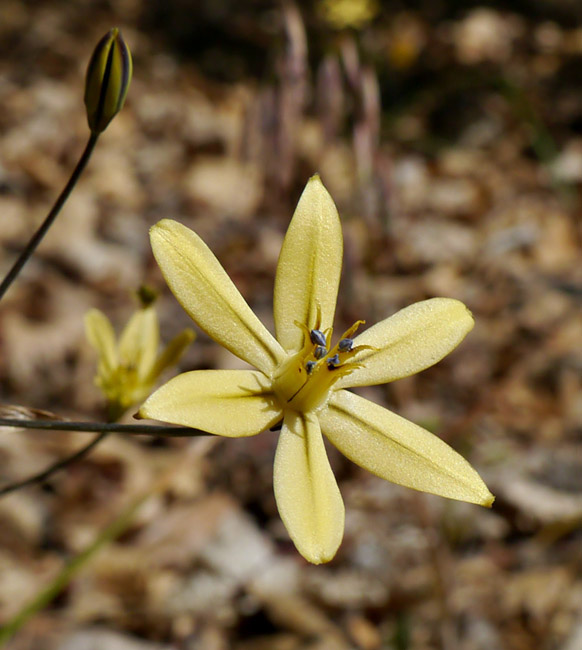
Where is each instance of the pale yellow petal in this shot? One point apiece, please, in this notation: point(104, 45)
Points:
point(398, 450)
point(233, 403)
point(308, 498)
point(101, 336)
point(309, 267)
point(206, 292)
point(413, 339)
point(139, 341)
point(172, 352)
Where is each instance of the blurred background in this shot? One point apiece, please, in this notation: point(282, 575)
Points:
point(450, 135)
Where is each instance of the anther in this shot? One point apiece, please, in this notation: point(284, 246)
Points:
point(345, 345)
point(333, 362)
point(317, 337)
point(320, 352)
point(309, 366)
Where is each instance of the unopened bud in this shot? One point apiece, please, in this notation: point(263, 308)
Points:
point(146, 295)
point(107, 82)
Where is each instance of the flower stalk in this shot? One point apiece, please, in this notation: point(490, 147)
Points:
point(107, 82)
point(101, 428)
point(50, 218)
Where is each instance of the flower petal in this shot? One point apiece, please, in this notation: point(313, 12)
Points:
point(398, 450)
point(101, 336)
point(308, 498)
point(413, 339)
point(309, 267)
point(232, 403)
point(205, 291)
point(138, 344)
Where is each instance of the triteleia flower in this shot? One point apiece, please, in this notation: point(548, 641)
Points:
point(342, 14)
point(301, 378)
point(127, 371)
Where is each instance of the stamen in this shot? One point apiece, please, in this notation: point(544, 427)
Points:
point(317, 338)
point(320, 352)
point(304, 381)
point(333, 362)
point(345, 345)
point(353, 329)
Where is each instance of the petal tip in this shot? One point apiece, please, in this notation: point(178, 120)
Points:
point(315, 189)
point(470, 316)
point(315, 184)
point(461, 313)
point(318, 553)
point(162, 224)
point(318, 558)
point(488, 501)
point(458, 304)
point(141, 415)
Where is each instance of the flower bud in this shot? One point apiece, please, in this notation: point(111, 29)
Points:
point(107, 81)
point(146, 295)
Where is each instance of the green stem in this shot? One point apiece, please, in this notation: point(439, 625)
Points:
point(49, 593)
point(102, 427)
point(52, 215)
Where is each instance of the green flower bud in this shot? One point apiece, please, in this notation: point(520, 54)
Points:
point(107, 81)
point(146, 295)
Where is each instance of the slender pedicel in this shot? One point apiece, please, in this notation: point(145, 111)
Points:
point(109, 427)
point(50, 218)
point(102, 429)
point(106, 86)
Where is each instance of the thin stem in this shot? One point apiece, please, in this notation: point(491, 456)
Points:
point(104, 431)
point(103, 427)
point(52, 215)
point(55, 467)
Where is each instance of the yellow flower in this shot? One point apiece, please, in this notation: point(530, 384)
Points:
point(341, 14)
point(301, 378)
point(127, 372)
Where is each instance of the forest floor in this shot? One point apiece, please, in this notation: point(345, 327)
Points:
point(452, 145)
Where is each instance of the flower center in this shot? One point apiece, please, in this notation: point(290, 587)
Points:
point(304, 379)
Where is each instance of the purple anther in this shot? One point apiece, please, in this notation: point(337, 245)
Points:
point(320, 352)
point(309, 366)
point(345, 345)
point(317, 337)
point(333, 362)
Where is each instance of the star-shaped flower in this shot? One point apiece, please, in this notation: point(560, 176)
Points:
point(127, 371)
point(302, 380)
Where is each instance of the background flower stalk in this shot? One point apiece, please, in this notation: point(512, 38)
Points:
point(106, 86)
